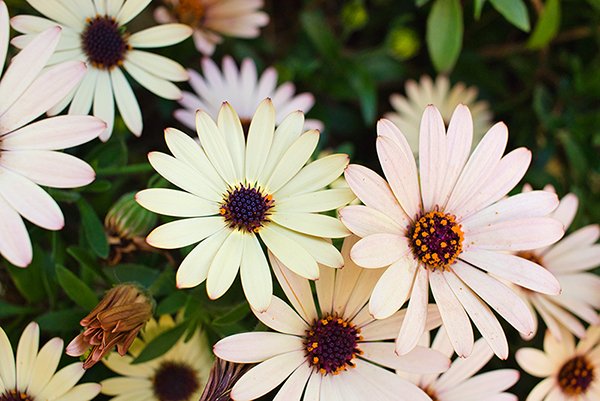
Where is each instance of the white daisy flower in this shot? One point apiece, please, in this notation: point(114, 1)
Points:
point(570, 261)
point(338, 352)
point(407, 109)
point(28, 153)
point(243, 90)
point(446, 225)
point(570, 373)
point(212, 18)
point(95, 31)
point(460, 382)
point(237, 191)
point(178, 375)
point(32, 376)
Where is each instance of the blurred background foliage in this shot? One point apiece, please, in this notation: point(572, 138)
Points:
point(537, 63)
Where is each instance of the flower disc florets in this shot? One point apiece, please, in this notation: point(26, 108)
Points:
point(436, 239)
point(14, 395)
point(175, 382)
point(246, 208)
point(189, 12)
point(104, 43)
point(332, 344)
point(576, 375)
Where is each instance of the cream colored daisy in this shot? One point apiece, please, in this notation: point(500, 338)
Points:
point(446, 226)
point(569, 372)
point(570, 260)
point(407, 109)
point(178, 375)
point(243, 90)
point(212, 18)
point(237, 191)
point(32, 376)
point(334, 352)
point(95, 31)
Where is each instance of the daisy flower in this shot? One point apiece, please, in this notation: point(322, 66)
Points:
point(459, 382)
point(95, 31)
point(237, 191)
point(178, 375)
point(212, 18)
point(243, 90)
point(32, 376)
point(570, 261)
point(570, 373)
point(28, 153)
point(407, 109)
point(446, 225)
point(338, 352)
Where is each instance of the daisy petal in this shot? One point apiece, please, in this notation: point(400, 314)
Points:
point(194, 268)
point(160, 36)
point(393, 288)
point(58, 12)
point(464, 368)
point(130, 9)
point(158, 86)
point(293, 387)
point(126, 102)
point(293, 159)
point(249, 347)
point(15, 244)
point(315, 202)
point(314, 176)
point(280, 317)
point(26, 354)
point(260, 137)
point(4, 34)
point(379, 250)
point(432, 156)
point(171, 202)
point(416, 315)
point(225, 265)
point(104, 106)
point(256, 275)
point(215, 146)
point(364, 221)
point(7, 367)
point(583, 259)
point(158, 65)
point(180, 233)
point(541, 390)
point(535, 362)
point(318, 225)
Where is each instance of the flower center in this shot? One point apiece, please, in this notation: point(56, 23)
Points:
point(436, 239)
point(431, 394)
point(14, 395)
point(576, 376)
point(104, 42)
point(190, 12)
point(331, 344)
point(532, 257)
point(246, 208)
point(175, 381)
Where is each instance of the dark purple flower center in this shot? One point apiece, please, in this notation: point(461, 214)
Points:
point(246, 208)
point(436, 239)
point(104, 42)
point(332, 344)
point(576, 376)
point(14, 395)
point(175, 382)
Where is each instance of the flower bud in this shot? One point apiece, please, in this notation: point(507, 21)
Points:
point(223, 376)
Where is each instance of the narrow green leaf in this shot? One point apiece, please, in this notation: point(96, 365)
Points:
point(445, 33)
point(77, 290)
point(126, 272)
point(93, 229)
point(161, 344)
point(236, 314)
point(514, 11)
point(61, 320)
point(316, 27)
point(547, 25)
point(421, 3)
point(10, 310)
point(172, 303)
point(478, 7)
point(30, 280)
point(363, 84)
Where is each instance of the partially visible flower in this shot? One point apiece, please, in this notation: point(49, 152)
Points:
point(127, 224)
point(243, 90)
point(115, 321)
point(237, 190)
point(338, 349)
point(223, 376)
point(448, 224)
point(569, 260)
point(29, 154)
point(33, 377)
point(408, 109)
point(178, 375)
point(460, 382)
point(570, 373)
point(96, 32)
point(212, 18)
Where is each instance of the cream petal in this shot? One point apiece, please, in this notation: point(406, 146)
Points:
point(180, 233)
point(563, 317)
point(314, 176)
point(57, 11)
point(194, 268)
point(7, 360)
point(225, 265)
point(158, 86)
point(325, 287)
point(393, 288)
point(62, 381)
point(318, 225)
point(542, 389)
point(293, 387)
point(464, 368)
point(26, 355)
point(255, 274)
point(123, 366)
point(15, 244)
point(534, 362)
point(4, 34)
point(229, 122)
point(387, 329)
point(215, 146)
point(579, 239)
point(176, 203)
point(485, 386)
point(285, 134)
point(82, 392)
point(456, 321)
point(432, 158)
point(130, 9)
point(418, 360)
point(113, 6)
point(30, 24)
point(84, 96)
point(266, 376)
point(104, 106)
point(566, 210)
point(251, 347)
point(321, 249)
point(160, 36)
point(551, 322)
point(416, 315)
point(119, 385)
point(126, 102)
point(364, 221)
point(313, 388)
point(315, 202)
point(260, 138)
point(280, 317)
point(574, 262)
point(572, 285)
point(379, 250)
point(158, 65)
point(392, 385)
point(293, 159)
point(580, 309)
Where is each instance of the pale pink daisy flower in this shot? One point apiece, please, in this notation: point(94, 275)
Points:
point(212, 18)
point(446, 225)
point(237, 191)
point(407, 109)
point(569, 260)
point(570, 373)
point(32, 376)
point(29, 155)
point(244, 90)
point(460, 382)
point(338, 352)
point(95, 31)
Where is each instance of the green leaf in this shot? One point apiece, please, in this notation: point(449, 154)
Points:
point(171, 304)
point(76, 289)
point(236, 314)
point(60, 321)
point(547, 25)
point(421, 3)
point(363, 84)
point(128, 272)
point(316, 27)
point(10, 310)
point(30, 280)
point(478, 7)
point(93, 229)
point(514, 11)
point(445, 33)
point(161, 344)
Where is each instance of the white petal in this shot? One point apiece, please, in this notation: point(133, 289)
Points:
point(57, 11)
point(486, 385)
point(62, 381)
point(104, 106)
point(318, 225)
point(158, 65)
point(542, 389)
point(432, 157)
point(225, 265)
point(280, 317)
point(392, 385)
point(255, 274)
point(84, 96)
point(130, 9)
point(315, 176)
point(171, 202)
point(418, 360)
point(81, 392)
point(364, 221)
point(15, 244)
point(293, 159)
point(194, 268)
point(379, 250)
point(180, 233)
point(26, 354)
point(293, 387)
point(319, 201)
point(464, 368)
point(160, 36)
point(158, 86)
point(581, 238)
point(7, 367)
point(393, 288)
point(256, 346)
point(387, 329)
point(126, 102)
point(260, 137)
point(285, 134)
point(215, 146)
point(416, 315)
point(4, 34)
point(321, 249)
point(583, 259)
point(534, 362)
point(229, 122)
point(566, 210)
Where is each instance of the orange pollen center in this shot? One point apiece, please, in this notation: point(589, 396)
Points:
point(436, 239)
point(190, 12)
point(15, 395)
point(576, 376)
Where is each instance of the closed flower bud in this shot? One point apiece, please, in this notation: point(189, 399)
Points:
point(115, 321)
point(223, 376)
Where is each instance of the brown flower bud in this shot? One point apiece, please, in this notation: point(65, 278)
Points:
point(223, 376)
point(116, 320)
